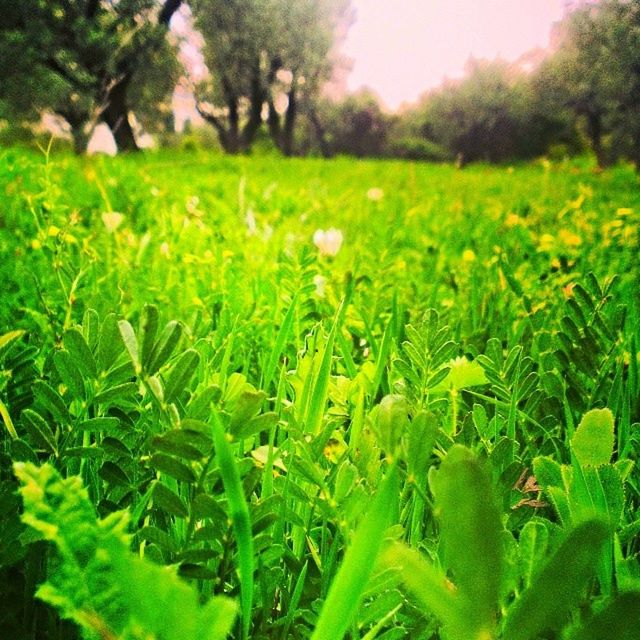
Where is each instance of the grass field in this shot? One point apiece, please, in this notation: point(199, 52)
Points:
point(223, 422)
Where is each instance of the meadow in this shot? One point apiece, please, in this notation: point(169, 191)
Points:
point(264, 398)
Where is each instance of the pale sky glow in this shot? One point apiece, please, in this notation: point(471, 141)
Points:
point(400, 48)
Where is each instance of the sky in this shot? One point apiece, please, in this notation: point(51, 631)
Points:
point(400, 48)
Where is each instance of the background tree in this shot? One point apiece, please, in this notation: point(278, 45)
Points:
point(81, 58)
point(482, 117)
point(595, 74)
point(303, 55)
point(264, 56)
point(231, 98)
point(357, 125)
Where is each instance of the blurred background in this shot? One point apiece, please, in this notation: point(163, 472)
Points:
point(463, 81)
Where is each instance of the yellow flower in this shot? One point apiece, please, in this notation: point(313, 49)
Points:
point(546, 242)
point(569, 238)
point(468, 256)
point(36, 244)
point(53, 231)
point(512, 220)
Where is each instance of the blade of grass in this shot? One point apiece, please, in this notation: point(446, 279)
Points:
point(278, 346)
point(349, 584)
point(239, 515)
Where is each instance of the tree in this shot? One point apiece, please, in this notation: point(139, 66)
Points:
point(477, 118)
point(357, 125)
point(272, 54)
point(595, 73)
point(231, 98)
point(490, 115)
point(302, 56)
point(80, 58)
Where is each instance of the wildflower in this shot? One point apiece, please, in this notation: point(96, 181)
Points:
point(468, 256)
point(192, 207)
point(375, 194)
point(112, 220)
point(164, 249)
point(547, 242)
point(328, 242)
point(569, 238)
point(512, 220)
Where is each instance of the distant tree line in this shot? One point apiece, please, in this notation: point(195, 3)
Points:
point(267, 62)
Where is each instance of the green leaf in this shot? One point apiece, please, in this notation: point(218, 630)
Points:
point(69, 373)
point(80, 353)
point(119, 392)
point(95, 580)
point(559, 586)
point(592, 443)
point(349, 584)
point(164, 347)
point(148, 332)
point(618, 620)
point(429, 586)
point(172, 467)
point(39, 430)
point(130, 342)
point(185, 443)
point(533, 544)
point(109, 343)
point(114, 474)
point(181, 373)
point(7, 338)
point(97, 425)
point(91, 328)
point(471, 533)
point(52, 400)
point(168, 501)
point(420, 442)
point(391, 421)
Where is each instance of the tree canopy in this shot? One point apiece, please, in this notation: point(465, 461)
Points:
point(80, 59)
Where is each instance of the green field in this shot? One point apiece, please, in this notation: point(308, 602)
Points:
point(430, 434)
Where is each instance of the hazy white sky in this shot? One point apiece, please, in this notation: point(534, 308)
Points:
point(400, 48)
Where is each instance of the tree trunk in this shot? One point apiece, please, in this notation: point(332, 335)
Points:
point(289, 123)
point(273, 123)
point(80, 140)
point(321, 134)
point(116, 115)
point(254, 122)
point(594, 131)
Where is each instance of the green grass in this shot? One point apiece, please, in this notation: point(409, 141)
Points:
point(318, 446)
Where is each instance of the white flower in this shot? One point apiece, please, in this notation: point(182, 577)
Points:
point(375, 194)
point(320, 282)
point(328, 242)
point(112, 220)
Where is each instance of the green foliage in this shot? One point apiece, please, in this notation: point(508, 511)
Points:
point(95, 580)
point(405, 439)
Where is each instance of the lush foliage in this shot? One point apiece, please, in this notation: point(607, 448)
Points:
point(421, 422)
